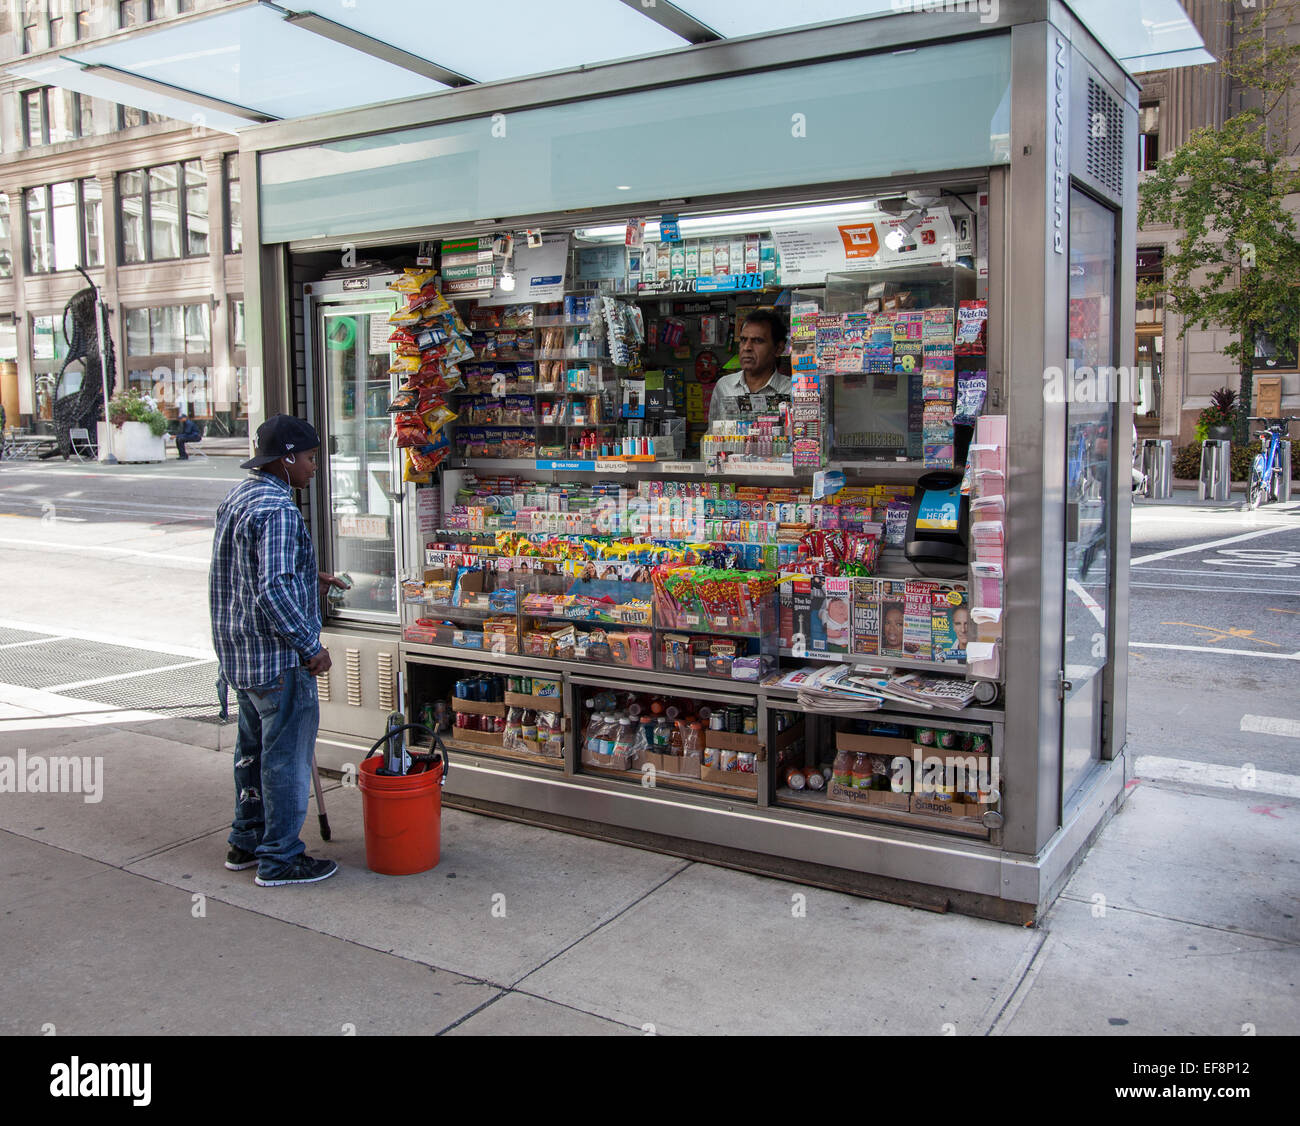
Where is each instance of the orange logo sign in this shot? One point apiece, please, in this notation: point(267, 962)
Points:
point(860, 240)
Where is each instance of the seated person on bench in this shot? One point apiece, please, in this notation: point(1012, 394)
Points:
point(189, 432)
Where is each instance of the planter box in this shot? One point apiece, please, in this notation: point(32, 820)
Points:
point(132, 441)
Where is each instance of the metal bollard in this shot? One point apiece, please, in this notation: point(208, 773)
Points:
point(1284, 462)
point(1216, 470)
point(1158, 466)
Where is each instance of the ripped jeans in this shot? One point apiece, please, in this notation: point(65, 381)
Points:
point(273, 753)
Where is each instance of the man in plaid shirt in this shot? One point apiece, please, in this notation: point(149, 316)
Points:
point(264, 595)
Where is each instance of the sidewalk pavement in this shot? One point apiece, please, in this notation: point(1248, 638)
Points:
point(119, 917)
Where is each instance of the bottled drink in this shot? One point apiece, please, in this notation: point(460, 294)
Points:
point(693, 741)
point(623, 740)
point(675, 739)
point(529, 726)
point(842, 771)
point(641, 740)
point(863, 775)
point(662, 735)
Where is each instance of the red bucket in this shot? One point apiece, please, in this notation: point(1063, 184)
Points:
point(402, 816)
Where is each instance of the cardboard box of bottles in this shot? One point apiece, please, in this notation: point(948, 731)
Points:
point(740, 779)
point(477, 707)
point(676, 765)
point(535, 703)
point(732, 741)
point(487, 738)
point(886, 798)
point(931, 805)
point(888, 745)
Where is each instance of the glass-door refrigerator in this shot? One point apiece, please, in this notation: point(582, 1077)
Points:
point(348, 361)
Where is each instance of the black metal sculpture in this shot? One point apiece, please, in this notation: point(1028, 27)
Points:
point(85, 406)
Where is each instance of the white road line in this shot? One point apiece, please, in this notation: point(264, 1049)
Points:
point(109, 639)
point(1212, 543)
point(1211, 649)
point(60, 711)
point(1157, 768)
point(1271, 725)
point(1269, 573)
point(122, 676)
point(1221, 589)
point(1088, 601)
point(35, 641)
point(177, 562)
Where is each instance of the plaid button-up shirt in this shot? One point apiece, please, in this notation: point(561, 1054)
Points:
point(262, 589)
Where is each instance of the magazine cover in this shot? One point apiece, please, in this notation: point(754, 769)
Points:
point(916, 622)
point(866, 617)
point(892, 597)
point(949, 622)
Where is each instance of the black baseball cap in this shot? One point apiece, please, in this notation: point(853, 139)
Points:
point(280, 435)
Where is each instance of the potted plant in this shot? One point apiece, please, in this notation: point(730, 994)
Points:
point(1215, 421)
point(137, 427)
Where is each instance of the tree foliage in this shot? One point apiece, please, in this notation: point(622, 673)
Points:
point(1236, 265)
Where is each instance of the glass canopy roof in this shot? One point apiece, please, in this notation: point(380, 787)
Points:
point(261, 61)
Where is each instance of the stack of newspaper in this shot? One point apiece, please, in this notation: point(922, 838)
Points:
point(851, 687)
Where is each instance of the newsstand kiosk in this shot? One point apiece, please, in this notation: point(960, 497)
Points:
point(652, 600)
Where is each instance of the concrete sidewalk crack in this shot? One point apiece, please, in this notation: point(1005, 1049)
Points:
point(1236, 931)
point(1005, 1006)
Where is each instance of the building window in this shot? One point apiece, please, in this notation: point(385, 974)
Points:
point(234, 213)
point(1148, 136)
point(128, 117)
point(52, 115)
point(35, 122)
point(83, 20)
point(169, 356)
point(134, 13)
point(48, 351)
point(65, 225)
point(232, 393)
point(164, 212)
point(184, 6)
point(36, 26)
point(6, 243)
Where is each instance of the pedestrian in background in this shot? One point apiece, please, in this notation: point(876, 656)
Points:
point(4, 421)
point(264, 595)
point(188, 433)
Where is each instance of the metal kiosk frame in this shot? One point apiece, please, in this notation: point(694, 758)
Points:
point(1061, 735)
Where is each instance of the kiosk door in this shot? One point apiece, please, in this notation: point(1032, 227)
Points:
point(364, 481)
point(1090, 517)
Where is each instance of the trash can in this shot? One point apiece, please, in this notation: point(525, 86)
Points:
point(1216, 470)
point(1284, 462)
point(1158, 467)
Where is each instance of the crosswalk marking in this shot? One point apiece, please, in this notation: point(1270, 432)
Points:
point(1271, 725)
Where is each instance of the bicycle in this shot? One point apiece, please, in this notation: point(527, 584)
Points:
point(1266, 471)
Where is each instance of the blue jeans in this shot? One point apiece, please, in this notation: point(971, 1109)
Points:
point(273, 755)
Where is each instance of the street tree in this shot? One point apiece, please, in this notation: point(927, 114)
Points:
point(1236, 264)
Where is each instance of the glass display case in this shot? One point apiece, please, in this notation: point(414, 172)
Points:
point(363, 481)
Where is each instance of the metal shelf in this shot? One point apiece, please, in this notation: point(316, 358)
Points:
point(957, 668)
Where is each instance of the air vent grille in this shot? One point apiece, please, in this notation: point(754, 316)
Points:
point(1105, 139)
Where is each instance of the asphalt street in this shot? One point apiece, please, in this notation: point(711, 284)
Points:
point(119, 555)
